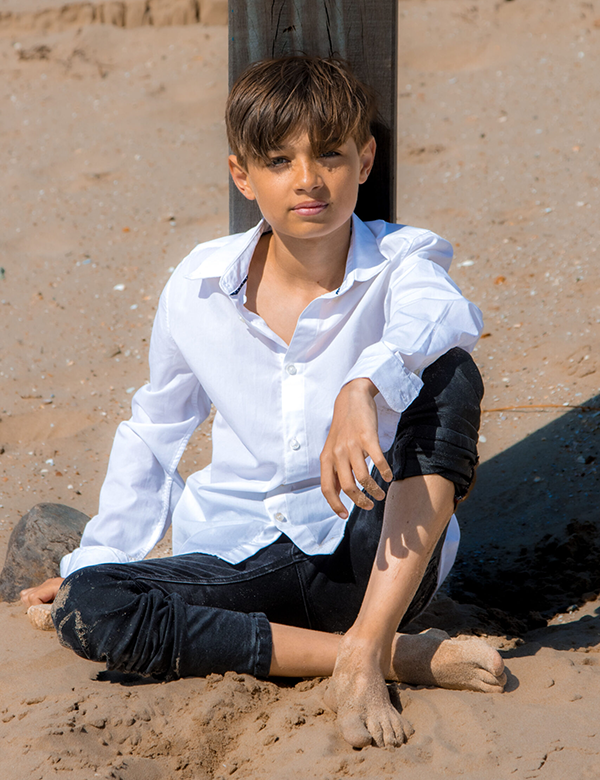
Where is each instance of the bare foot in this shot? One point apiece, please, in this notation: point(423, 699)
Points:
point(358, 693)
point(432, 658)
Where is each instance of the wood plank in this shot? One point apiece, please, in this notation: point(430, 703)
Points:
point(364, 32)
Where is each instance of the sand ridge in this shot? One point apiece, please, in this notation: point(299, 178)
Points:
point(27, 16)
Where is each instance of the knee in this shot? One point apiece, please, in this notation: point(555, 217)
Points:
point(454, 385)
point(71, 611)
point(466, 371)
point(457, 373)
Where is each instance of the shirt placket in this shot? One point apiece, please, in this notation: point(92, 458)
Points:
point(295, 436)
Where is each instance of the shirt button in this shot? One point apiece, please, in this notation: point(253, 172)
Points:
point(291, 369)
point(279, 517)
point(294, 444)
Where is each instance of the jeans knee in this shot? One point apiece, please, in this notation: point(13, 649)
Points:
point(69, 612)
point(438, 432)
point(467, 370)
point(455, 373)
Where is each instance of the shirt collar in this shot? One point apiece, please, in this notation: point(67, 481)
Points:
point(365, 259)
point(229, 262)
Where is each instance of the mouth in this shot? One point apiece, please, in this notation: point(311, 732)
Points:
point(310, 208)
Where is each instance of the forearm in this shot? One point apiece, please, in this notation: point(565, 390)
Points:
point(416, 513)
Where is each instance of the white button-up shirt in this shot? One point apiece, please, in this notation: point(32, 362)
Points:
point(395, 312)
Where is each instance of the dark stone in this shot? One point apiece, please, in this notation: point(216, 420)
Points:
point(36, 545)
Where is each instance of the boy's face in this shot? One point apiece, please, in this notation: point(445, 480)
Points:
point(302, 194)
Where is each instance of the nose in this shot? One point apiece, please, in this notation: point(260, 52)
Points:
point(308, 175)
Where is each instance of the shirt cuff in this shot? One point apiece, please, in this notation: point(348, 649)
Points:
point(91, 556)
point(398, 386)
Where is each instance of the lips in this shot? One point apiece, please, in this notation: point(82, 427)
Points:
point(310, 208)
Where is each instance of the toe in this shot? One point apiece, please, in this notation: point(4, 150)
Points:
point(436, 633)
point(497, 667)
point(390, 737)
point(401, 729)
point(490, 659)
point(489, 683)
point(486, 688)
point(376, 729)
point(488, 678)
point(354, 731)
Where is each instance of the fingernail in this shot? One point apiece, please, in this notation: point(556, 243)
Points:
point(343, 515)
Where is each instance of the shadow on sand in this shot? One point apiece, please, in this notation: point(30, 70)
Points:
point(531, 527)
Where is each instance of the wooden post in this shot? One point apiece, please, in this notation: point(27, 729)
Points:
point(363, 32)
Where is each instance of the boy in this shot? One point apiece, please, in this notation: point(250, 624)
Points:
point(308, 333)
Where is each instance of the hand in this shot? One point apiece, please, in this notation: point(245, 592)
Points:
point(352, 438)
point(41, 594)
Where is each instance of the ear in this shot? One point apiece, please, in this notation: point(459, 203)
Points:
point(240, 178)
point(367, 158)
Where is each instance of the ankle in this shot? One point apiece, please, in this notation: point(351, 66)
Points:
point(366, 652)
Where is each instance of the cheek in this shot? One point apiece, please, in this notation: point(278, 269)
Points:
point(350, 184)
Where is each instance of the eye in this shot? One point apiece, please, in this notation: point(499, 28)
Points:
point(277, 162)
point(330, 154)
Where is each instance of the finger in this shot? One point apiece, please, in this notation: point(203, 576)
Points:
point(361, 473)
point(359, 467)
point(25, 594)
point(351, 489)
point(380, 462)
point(372, 448)
point(330, 487)
point(372, 488)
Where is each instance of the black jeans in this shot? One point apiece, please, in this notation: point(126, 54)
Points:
point(194, 614)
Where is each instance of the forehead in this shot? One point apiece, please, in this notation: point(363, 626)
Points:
point(301, 141)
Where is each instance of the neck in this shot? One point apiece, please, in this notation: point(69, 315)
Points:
point(310, 262)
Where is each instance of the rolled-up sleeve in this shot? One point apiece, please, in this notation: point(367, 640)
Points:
point(143, 485)
point(425, 316)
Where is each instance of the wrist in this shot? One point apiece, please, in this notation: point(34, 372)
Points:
point(364, 385)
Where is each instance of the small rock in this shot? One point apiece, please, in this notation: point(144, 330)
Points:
point(36, 545)
point(40, 616)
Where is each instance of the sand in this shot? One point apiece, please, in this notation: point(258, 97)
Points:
point(113, 167)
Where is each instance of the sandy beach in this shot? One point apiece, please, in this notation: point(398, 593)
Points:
point(113, 167)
